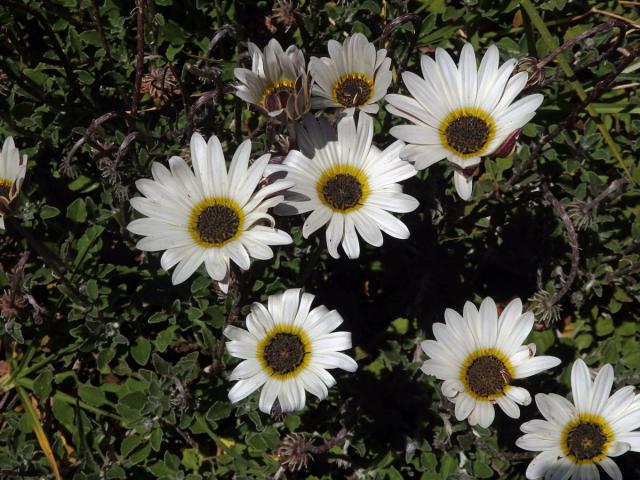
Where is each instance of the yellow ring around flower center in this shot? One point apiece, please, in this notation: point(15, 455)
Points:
point(215, 221)
point(277, 87)
point(300, 364)
point(486, 374)
point(353, 89)
point(467, 131)
point(589, 433)
point(343, 188)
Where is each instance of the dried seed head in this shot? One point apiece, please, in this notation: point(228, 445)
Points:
point(581, 215)
point(161, 84)
point(545, 310)
point(531, 65)
point(284, 13)
point(11, 305)
point(293, 452)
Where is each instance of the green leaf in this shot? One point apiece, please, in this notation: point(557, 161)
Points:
point(42, 385)
point(92, 395)
point(141, 351)
point(164, 338)
point(64, 413)
point(77, 211)
point(48, 212)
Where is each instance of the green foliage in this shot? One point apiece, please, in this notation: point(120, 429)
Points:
point(129, 373)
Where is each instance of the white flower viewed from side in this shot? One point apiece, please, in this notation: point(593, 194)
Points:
point(208, 215)
point(277, 80)
point(287, 349)
point(460, 113)
point(354, 75)
point(576, 437)
point(347, 183)
point(12, 172)
point(479, 355)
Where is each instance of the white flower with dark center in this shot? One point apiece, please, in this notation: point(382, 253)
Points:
point(287, 349)
point(277, 81)
point(479, 355)
point(577, 437)
point(12, 172)
point(347, 183)
point(355, 75)
point(208, 215)
point(460, 113)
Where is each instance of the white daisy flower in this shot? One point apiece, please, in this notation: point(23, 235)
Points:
point(12, 172)
point(277, 82)
point(460, 113)
point(355, 75)
point(208, 215)
point(577, 437)
point(479, 355)
point(287, 350)
point(347, 183)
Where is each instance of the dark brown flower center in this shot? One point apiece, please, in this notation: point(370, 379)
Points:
point(353, 90)
point(217, 223)
point(487, 376)
point(586, 441)
point(342, 191)
point(467, 134)
point(284, 353)
point(5, 188)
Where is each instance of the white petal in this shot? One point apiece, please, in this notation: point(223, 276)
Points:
point(245, 369)
point(268, 395)
point(536, 443)
point(387, 222)
point(630, 438)
point(463, 184)
point(187, 266)
point(581, 385)
point(535, 365)
point(519, 395)
point(332, 342)
point(464, 405)
point(555, 408)
point(316, 220)
point(335, 360)
point(350, 242)
point(485, 414)
point(601, 389)
point(542, 463)
point(334, 234)
point(244, 388)
point(611, 468)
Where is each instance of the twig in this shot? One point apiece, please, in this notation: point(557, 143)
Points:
point(597, 91)
point(329, 444)
point(95, 10)
point(17, 277)
point(185, 101)
point(537, 21)
point(53, 262)
point(573, 243)
point(610, 190)
point(579, 38)
point(616, 16)
point(66, 165)
point(135, 98)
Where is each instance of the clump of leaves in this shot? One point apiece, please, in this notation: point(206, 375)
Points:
point(125, 375)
